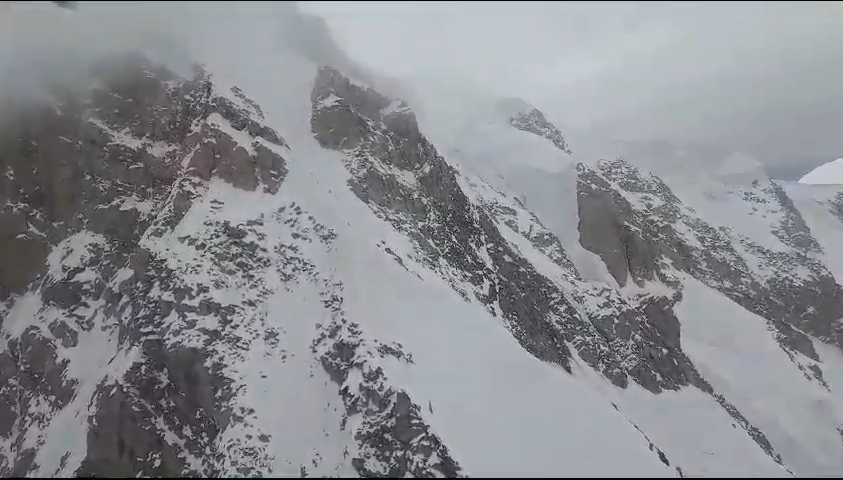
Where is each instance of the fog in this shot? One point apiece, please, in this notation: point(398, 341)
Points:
point(43, 45)
point(758, 77)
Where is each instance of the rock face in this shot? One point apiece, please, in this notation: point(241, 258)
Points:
point(837, 206)
point(643, 232)
point(402, 178)
point(533, 121)
point(88, 181)
point(96, 194)
point(68, 167)
point(171, 305)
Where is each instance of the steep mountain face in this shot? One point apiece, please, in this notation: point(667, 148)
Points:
point(743, 237)
point(822, 210)
point(529, 119)
point(396, 171)
point(643, 232)
point(837, 206)
point(91, 186)
point(227, 274)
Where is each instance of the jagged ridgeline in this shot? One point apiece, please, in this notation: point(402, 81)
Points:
point(88, 179)
point(96, 192)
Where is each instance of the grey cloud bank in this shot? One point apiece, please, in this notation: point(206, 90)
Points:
point(42, 44)
point(759, 77)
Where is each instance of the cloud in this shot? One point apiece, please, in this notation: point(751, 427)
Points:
point(42, 45)
point(760, 77)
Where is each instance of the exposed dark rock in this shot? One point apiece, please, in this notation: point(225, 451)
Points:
point(534, 121)
point(837, 206)
point(88, 177)
point(640, 340)
point(642, 243)
point(126, 437)
point(33, 385)
point(446, 226)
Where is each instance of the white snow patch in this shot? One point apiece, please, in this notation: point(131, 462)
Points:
point(328, 101)
point(125, 138)
point(72, 252)
point(736, 353)
point(241, 138)
point(24, 309)
point(745, 209)
point(291, 392)
point(501, 412)
point(397, 106)
point(672, 421)
point(89, 362)
point(830, 173)
point(132, 202)
point(813, 203)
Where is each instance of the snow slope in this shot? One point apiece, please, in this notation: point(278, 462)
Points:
point(466, 388)
point(756, 215)
point(495, 406)
point(731, 347)
point(667, 419)
point(281, 271)
point(830, 173)
point(820, 205)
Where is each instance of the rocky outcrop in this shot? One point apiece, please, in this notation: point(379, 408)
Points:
point(513, 214)
point(29, 369)
point(400, 175)
point(643, 232)
point(533, 121)
point(433, 211)
point(87, 180)
point(72, 164)
point(837, 206)
point(104, 189)
point(125, 437)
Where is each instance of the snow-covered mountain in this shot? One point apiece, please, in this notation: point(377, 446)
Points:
point(270, 266)
point(830, 173)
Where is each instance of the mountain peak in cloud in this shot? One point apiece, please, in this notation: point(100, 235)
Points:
point(527, 118)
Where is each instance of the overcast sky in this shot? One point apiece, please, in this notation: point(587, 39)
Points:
point(762, 77)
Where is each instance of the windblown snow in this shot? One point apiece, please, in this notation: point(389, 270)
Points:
point(265, 266)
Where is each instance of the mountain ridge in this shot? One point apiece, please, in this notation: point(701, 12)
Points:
point(282, 273)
